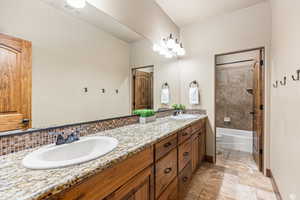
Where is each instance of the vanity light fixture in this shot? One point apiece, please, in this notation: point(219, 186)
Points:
point(169, 47)
point(77, 3)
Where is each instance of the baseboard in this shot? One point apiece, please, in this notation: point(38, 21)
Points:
point(275, 187)
point(209, 159)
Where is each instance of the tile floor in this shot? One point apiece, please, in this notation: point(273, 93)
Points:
point(234, 177)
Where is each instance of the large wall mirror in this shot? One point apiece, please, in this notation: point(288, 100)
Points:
point(83, 63)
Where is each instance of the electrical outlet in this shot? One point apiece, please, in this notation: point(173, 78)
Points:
point(293, 197)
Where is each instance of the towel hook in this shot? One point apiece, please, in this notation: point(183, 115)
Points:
point(165, 85)
point(276, 84)
point(298, 76)
point(194, 83)
point(284, 81)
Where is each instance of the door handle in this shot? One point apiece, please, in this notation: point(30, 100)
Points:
point(252, 113)
point(25, 121)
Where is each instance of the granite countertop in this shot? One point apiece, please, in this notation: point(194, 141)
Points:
point(19, 183)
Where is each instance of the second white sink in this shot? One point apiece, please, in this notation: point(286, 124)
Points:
point(57, 156)
point(184, 117)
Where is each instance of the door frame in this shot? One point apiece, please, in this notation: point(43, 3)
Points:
point(133, 86)
point(263, 57)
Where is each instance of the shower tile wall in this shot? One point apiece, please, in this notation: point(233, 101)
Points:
point(232, 98)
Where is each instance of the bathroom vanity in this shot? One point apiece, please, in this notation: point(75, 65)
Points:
point(152, 161)
point(160, 171)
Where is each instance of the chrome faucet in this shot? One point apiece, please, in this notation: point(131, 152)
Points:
point(60, 139)
point(74, 136)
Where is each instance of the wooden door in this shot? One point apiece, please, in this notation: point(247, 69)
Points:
point(142, 90)
point(15, 83)
point(258, 96)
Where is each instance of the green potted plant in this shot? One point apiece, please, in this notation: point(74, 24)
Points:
point(146, 115)
point(179, 108)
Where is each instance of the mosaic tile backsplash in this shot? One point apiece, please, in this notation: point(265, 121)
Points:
point(32, 139)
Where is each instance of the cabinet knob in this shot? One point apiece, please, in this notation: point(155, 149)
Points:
point(167, 144)
point(168, 170)
point(184, 179)
point(184, 134)
point(186, 154)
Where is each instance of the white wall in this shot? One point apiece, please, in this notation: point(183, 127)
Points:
point(243, 29)
point(69, 54)
point(165, 70)
point(285, 126)
point(144, 17)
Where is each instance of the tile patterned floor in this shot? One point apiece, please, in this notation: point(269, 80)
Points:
point(234, 177)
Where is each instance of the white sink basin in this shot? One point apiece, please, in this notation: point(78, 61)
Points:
point(57, 156)
point(184, 117)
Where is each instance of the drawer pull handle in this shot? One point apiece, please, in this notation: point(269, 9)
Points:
point(184, 179)
point(168, 170)
point(186, 154)
point(184, 134)
point(167, 144)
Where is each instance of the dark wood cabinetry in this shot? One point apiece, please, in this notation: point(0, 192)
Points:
point(162, 171)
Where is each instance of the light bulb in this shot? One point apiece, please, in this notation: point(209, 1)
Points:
point(176, 49)
point(156, 48)
point(163, 43)
point(162, 51)
point(77, 3)
point(171, 43)
point(181, 52)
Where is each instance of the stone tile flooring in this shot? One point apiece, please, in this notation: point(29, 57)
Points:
point(234, 177)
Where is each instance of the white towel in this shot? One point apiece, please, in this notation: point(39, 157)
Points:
point(194, 95)
point(165, 96)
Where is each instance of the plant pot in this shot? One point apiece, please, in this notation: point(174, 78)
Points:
point(144, 120)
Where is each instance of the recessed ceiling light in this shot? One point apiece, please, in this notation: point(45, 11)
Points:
point(77, 3)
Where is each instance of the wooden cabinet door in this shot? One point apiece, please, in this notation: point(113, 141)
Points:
point(195, 152)
point(142, 90)
point(171, 193)
point(138, 188)
point(184, 179)
point(15, 83)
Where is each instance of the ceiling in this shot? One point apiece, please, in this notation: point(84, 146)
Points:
point(94, 16)
point(186, 12)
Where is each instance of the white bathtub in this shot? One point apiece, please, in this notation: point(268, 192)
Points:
point(234, 139)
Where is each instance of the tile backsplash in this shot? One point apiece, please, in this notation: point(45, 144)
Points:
point(32, 139)
point(35, 138)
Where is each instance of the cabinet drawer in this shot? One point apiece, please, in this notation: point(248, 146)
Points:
point(184, 180)
point(196, 127)
point(184, 134)
point(171, 193)
point(165, 171)
point(165, 146)
point(184, 154)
